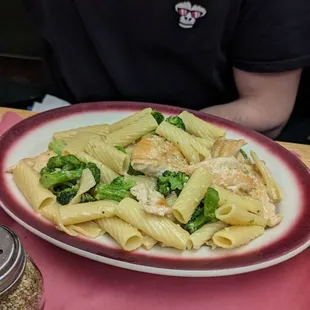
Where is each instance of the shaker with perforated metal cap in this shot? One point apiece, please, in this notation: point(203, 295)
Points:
point(21, 283)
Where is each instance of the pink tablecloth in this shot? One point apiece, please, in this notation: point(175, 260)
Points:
point(76, 283)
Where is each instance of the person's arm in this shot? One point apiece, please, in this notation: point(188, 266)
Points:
point(265, 102)
point(269, 47)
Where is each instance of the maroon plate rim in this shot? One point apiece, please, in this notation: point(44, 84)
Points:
point(296, 237)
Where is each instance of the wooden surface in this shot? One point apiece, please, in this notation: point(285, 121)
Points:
point(301, 149)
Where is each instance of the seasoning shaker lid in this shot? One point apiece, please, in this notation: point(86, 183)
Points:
point(12, 259)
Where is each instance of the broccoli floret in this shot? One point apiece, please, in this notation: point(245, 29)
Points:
point(120, 148)
point(94, 170)
point(158, 116)
point(125, 184)
point(86, 197)
point(45, 170)
point(176, 121)
point(66, 195)
point(57, 146)
point(117, 190)
point(108, 191)
point(64, 163)
point(61, 175)
point(68, 168)
point(49, 180)
point(132, 171)
point(172, 181)
point(57, 189)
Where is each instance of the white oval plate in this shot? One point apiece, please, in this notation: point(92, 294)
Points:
point(31, 136)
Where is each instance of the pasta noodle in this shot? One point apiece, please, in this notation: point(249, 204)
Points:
point(211, 244)
point(108, 155)
point(157, 227)
point(235, 236)
point(273, 190)
point(246, 203)
point(129, 134)
point(129, 120)
point(204, 234)
point(81, 212)
point(67, 135)
point(197, 127)
point(226, 147)
point(59, 221)
point(78, 143)
point(200, 146)
point(127, 236)
point(88, 229)
point(28, 182)
point(86, 183)
point(148, 242)
point(191, 195)
point(107, 175)
point(234, 215)
point(180, 139)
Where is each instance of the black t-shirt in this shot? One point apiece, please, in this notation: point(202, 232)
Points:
point(171, 52)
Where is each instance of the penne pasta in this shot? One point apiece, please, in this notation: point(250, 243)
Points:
point(204, 234)
point(200, 146)
point(181, 140)
point(67, 135)
point(129, 119)
point(78, 143)
point(246, 203)
point(127, 236)
point(211, 244)
point(191, 195)
point(129, 134)
point(227, 148)
point(235, 236)
point(28, 182)
point(273, 190)
point(107, 175)
point(148, 242)
point(86, 183)
point(197, 127)
point(108, 155)
point(58, 220)
point(157, 227)
point(88, 229)
point(233, 215)
point(80, 213)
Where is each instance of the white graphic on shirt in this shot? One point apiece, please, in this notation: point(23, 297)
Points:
point(189, 13)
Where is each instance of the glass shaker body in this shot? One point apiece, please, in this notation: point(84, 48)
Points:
point(21, 282)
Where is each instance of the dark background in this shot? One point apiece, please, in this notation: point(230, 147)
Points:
point(24, 78)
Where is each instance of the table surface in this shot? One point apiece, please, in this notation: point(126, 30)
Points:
point(301, 149)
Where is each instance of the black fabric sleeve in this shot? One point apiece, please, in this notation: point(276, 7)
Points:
point(272, 36)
